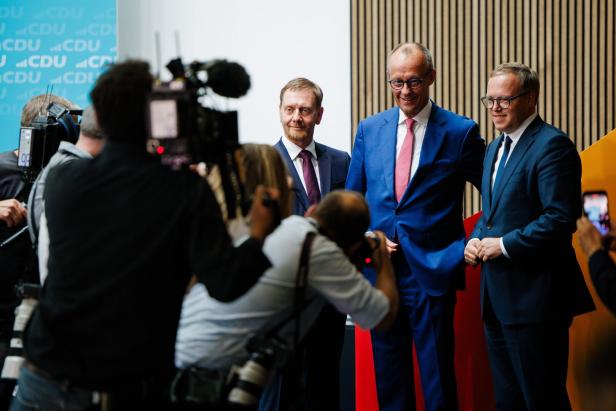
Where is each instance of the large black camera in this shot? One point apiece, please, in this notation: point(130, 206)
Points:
point(41, 139)
point(181, 131)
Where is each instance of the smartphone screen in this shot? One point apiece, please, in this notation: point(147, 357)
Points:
point(595, 208)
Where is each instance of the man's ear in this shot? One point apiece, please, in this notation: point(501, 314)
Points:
point(310, 210)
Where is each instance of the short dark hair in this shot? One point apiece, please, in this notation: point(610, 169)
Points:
point(344, 216)
point(119, 98)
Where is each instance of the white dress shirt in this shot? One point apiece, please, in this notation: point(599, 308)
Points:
point(419, 132)
point(294, 150)
point(515, 137)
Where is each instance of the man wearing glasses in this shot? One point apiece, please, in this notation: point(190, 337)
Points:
point(531, 285)
point(411, 162)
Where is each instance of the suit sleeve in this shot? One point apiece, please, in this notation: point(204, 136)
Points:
point(356, 178)
point(558, 174)
point(471, 158)
point(603, 273)
point(226, 271)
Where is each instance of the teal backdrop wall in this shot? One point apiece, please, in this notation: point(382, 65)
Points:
point(63, 44)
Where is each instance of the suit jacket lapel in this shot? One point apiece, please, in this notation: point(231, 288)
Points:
point(515, 158)
point(433, 140)
point(324, 161)
point(387, 147)
point(486, 183)
point(298, 188)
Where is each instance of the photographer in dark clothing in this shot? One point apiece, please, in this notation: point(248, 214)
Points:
point(126, 233)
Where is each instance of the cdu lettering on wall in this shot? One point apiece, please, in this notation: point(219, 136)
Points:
point(64, 44)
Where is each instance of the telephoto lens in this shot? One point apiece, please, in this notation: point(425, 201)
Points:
point(251, 378)
point(14, 360)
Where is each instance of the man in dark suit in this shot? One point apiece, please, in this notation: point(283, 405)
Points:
point(316, 170)
point(532, 285)
point(412, 162)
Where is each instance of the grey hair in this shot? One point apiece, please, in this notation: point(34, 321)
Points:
point(408, 48)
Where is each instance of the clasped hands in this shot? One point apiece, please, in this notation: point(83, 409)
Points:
point(477, 250)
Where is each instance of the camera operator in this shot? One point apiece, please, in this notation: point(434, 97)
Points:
point(214, 336)
point(17, 260)
point(88, 145)
point(126, 233)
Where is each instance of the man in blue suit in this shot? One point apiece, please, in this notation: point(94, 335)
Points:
point(531, 286)
point(316, 170)
point(412, 162)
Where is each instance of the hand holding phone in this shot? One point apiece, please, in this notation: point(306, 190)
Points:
point(596, 209)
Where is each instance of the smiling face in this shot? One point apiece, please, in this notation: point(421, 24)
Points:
point(298, 115)
point(509, 85)
point(411, 65)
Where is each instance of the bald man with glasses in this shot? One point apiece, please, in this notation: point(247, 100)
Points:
point(411, 162)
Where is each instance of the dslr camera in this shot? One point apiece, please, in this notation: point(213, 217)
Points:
point(41, 139)
point(363, 257)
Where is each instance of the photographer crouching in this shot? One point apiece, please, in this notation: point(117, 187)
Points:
point(125, 235)
point(282, 306)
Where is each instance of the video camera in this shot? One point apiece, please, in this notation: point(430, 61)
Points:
point(181, 131)
point(41, 139)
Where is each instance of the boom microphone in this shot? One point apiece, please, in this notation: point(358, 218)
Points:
point(225, 78)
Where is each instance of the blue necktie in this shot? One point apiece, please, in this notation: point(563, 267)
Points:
point(503, 161)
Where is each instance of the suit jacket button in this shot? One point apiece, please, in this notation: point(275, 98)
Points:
point(489, 226)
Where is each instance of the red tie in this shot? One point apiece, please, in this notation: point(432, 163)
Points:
point(310, 177)
point(404, 160)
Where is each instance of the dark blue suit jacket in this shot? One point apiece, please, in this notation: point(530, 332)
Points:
point(534, 209)
point(333, 167)
point(428, 220)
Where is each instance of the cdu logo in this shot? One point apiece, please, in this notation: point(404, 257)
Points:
point(9, 109)
point(20, 77)
point(95, 62)
point(44, 61)
point(43, 29)
point(63, 13)
point(74, 77)
point(11, 12)
point(78, 45)
point(97, 29)
point(3, 60)
point(20, 44)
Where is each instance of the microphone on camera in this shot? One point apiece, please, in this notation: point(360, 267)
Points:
point(225, 78)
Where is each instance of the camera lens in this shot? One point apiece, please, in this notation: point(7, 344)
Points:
point(252, 378)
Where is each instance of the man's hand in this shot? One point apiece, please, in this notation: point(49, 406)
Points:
point(264, 218)
point(471, 252)
point(12, 212)
point(391, 246)
point(588, 236)
point(489, 249)
point(381, 253)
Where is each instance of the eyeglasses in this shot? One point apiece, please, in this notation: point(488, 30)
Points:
point(413, 83)
point(502, 102)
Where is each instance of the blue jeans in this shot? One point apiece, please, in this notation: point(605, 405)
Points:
point(37, 393)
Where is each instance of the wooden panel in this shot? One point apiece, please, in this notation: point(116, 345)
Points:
point(571, 44)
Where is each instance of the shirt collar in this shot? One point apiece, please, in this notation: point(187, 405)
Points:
point(294, 150)
point(71, 148)
point(422, 117)
point(517, 133)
